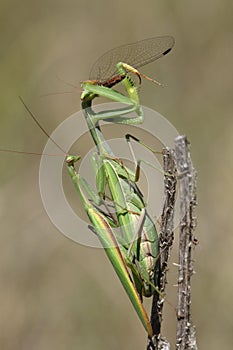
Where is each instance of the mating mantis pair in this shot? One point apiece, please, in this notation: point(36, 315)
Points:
point(129, 237)
point(133, 250)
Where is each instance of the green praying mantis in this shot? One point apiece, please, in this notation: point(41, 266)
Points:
point(129, 237)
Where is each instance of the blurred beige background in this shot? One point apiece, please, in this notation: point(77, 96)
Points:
point(56, 294)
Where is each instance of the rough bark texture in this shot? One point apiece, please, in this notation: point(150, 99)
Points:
point(177, 161)
point(185, 337)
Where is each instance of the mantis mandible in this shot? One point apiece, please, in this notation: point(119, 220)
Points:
point(134, 252)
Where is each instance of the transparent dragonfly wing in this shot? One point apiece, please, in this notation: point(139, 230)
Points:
point(136, 54)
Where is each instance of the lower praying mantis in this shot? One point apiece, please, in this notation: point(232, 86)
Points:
point(136, 247)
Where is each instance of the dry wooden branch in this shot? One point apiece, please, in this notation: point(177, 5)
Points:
point(180, 161)
point(185, 337)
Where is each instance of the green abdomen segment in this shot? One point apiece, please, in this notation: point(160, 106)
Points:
point(139, 240)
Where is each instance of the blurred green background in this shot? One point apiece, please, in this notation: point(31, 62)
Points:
point(56, 294)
